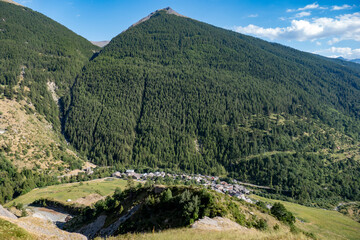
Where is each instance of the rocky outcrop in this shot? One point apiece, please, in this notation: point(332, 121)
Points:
point(6, 213)
point(44, 229)
point(115, 226)
point(91, 229)
point(168, 10)
point(41, 228)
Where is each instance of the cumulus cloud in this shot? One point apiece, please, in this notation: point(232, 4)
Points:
point(307, 7)
point(342, 27)
point(343, 7)
point(333, 41)
point(310, 6)
point(344, 52)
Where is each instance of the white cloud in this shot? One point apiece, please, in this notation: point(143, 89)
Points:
point(343, 27)
point(314, 5)
point(310, 6)
point(253, 15)
point(302, 14)
point(318, 43)
point(345, 6)
point(333, 41)
point(344, 52)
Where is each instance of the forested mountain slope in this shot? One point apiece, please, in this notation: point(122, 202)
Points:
point(39, 61)
point(38, 55)
point(176, 93)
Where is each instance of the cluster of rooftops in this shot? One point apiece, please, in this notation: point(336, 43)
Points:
point(234, 189)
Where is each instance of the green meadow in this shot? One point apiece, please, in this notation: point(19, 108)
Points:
point(71, 191)
point(325, 224)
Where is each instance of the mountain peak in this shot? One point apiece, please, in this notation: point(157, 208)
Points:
point(168, 10)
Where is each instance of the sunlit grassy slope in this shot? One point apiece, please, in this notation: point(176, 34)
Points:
point(326, 224)
point(194, 234)
point(71, 191)
point(10, 231)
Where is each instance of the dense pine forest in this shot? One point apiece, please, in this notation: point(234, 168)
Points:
point(175, 93)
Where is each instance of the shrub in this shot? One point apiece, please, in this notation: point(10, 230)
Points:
point(19, 206)
point(23, 213)
point(261, 224)
point(276, 227)
point(262, 206)
point(166, 195)
point(282, 214)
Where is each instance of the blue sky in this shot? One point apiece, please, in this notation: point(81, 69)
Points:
point(329, 28)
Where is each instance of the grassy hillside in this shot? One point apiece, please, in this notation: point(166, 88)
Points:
point(175, 93)
point(75, 191)
point(194, 234)
point(11, 231)
point(30, 142)
point(325, 224)
point(155, 208)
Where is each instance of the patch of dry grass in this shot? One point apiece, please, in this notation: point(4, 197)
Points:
point(195, 234)
point(11, 231)
point(30, 140)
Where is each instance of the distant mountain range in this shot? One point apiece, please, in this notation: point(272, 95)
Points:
point(350, 60)
point(100, 43)
point(355, 60)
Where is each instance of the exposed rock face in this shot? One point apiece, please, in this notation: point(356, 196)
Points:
point(168, 10)
point(52, 89)
point(115, 226)
point(43, 229)
point(97, 227)
point(6, 213)
point(91, 229)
